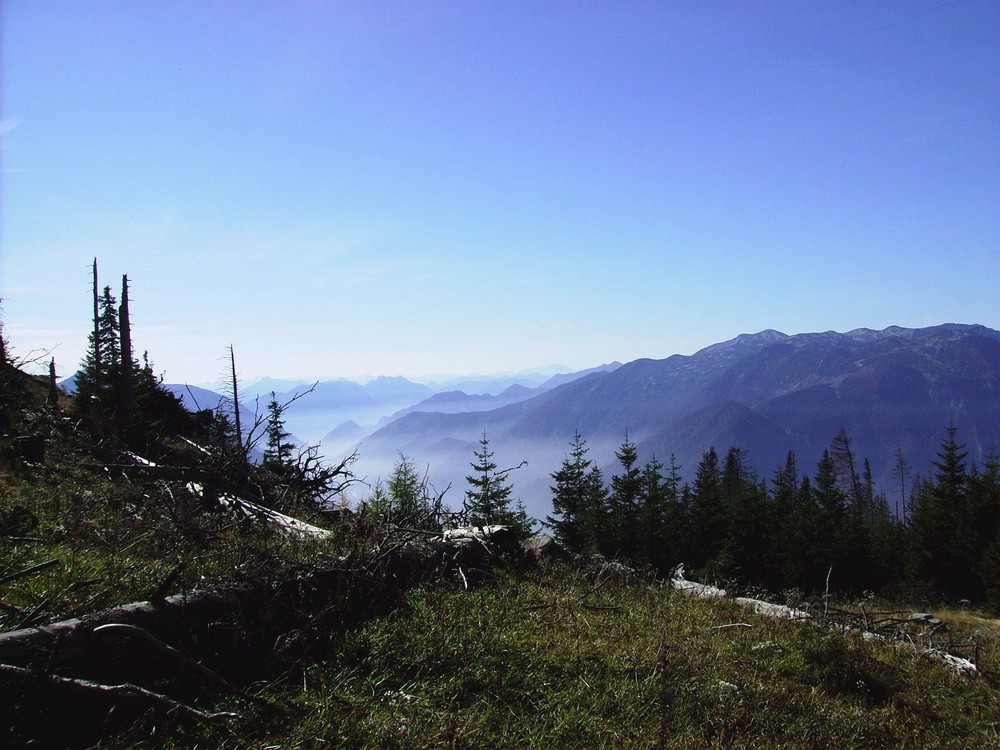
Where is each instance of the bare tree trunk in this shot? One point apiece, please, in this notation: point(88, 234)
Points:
point(3, 346)
point(127, 386)
point(53, 387)
point(236, 400)
point(97, 334)
point(901, 469)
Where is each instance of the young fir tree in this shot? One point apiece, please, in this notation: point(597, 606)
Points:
point(488, 497)
point(405, 491)
point(99, 376)
point(277, 451)
point(625, 502)
point(404, 500)
point(577, 500)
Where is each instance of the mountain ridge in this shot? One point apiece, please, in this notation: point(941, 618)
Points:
point(895, 387)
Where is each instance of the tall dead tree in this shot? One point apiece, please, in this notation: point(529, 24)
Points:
point(3, 346)
point(126, 388)
point(53, 385)
point(236, 399)
point(97, 333)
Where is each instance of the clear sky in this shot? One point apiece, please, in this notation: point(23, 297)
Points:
point(350, 188)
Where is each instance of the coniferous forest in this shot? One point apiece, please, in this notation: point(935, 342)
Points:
point(828, 530)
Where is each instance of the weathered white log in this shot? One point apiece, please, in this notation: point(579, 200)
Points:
point(959, 665)
point(287, 525)
point(19, 647)
point(480, 534)
point(767, 609)
point(679, 583)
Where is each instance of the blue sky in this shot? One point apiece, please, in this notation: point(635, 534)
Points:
point(347, 188)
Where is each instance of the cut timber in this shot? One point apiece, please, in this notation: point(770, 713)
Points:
point(171, 620)
point(253, 614)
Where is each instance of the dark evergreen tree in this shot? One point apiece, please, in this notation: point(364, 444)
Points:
point(660, 517)
point(744, 555)
point(842, 453)
point(625, 502)
point(984, 526)
point(829, 526)
point(577, 500)
point(788, 532)
point(708, 512)
point(989, 568)
point(940, 523)
point(98, 378)
point(277, 450)
point(488, 497)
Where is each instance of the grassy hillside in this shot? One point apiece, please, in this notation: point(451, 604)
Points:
point(569, 659)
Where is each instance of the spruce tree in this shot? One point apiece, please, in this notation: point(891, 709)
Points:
point(707, 511)
point(787, 533)
point(744, 554)
point(577, 500)
point(404, 500)
point(625, 501)
point(98, 379)
point(984, 525)
point(277, 451)
point(488, 497)
point(940, 522)
point(659, 518)
point(829, 524)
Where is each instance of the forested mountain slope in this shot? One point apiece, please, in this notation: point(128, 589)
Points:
point(895, 390)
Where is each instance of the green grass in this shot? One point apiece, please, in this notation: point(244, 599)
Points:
point(116, 540)
point(549, 662)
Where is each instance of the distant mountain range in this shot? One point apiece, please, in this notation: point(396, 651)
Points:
point(767, 393)
point(892, 390)
point(339, 413)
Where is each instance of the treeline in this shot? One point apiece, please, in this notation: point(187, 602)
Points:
point(833, 528)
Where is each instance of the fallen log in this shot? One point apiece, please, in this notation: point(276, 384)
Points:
point(958, 664)
point(196, 620)
point(28, 571)
point(114, 694)
point(170, 654)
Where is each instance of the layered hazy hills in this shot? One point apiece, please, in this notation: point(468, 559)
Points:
point(341, 412)
point(767, 393)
